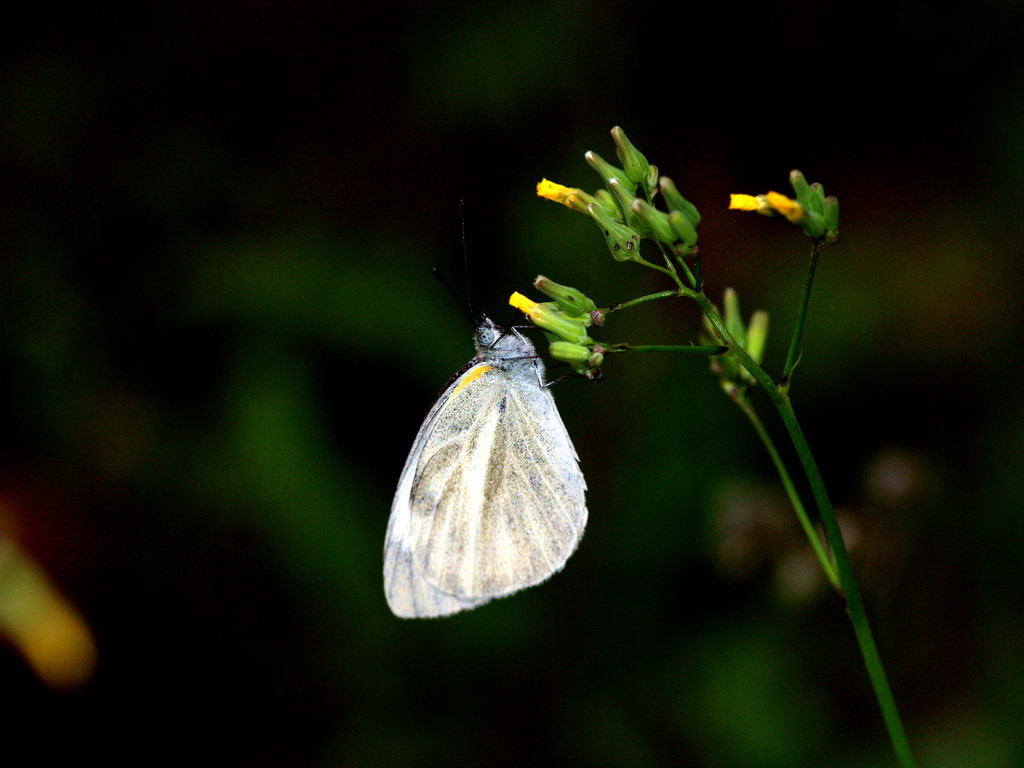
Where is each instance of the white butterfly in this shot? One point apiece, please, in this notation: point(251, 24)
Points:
point(491, 499)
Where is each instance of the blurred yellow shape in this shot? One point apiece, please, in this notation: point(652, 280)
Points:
point(40, 622)
point(789, 208)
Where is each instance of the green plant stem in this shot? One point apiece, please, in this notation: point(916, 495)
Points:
point(798, 328)
point(714, 349)
point(854, 603)
point(643, 299)
point(787, 482)
point(670, 272)
point(779, 396)
point(693, 280)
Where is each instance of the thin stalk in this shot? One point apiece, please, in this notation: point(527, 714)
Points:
point(779, 396)
point(798, 328)
point(670, 272)
point(649, 297)
point(715, 349)
point(854, 603)
point(691, 279)
point(787, 482)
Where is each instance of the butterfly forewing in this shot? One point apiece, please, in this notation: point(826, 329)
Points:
point(513, 510)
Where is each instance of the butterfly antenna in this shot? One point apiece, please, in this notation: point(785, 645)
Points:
point(465, 259)
point(458, 297)
point(463, 298)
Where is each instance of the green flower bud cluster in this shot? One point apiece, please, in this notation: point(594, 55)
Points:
point(812, 211)
point(565, 321)
point(752, 337)
point(821, 212)
point(624, 210)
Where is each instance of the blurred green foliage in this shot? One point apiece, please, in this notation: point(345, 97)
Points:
point(219, 334)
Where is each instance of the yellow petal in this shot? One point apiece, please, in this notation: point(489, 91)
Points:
point(568, 196)
point(791, 209)
point(743, 203)
point(522, 303)
point(550, 189)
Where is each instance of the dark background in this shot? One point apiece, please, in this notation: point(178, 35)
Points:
point(220, 333)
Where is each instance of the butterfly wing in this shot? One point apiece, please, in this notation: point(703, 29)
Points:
point(409, 595)
point(491, 499)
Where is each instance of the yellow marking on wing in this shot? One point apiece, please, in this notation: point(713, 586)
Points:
point(470, 377)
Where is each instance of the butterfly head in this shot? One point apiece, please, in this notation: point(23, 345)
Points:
point(495, 343)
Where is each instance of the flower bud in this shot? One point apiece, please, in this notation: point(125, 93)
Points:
point(625, 199)
point(652, 178)
point(757, 335)
point(622, 241)
point(657, 221)
point(571, 301)
point(633, 162)
point(818, 198)
point(607, 202)
point(806, 196)
point(752, 338)
point(810, 222)
point(831, 214)
point(733, 319)
point(569, 352)
point(676, 202)
point(607, 171)
point(571, 197)
point(813, 224)
point(683, 228)
point(548, 317)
